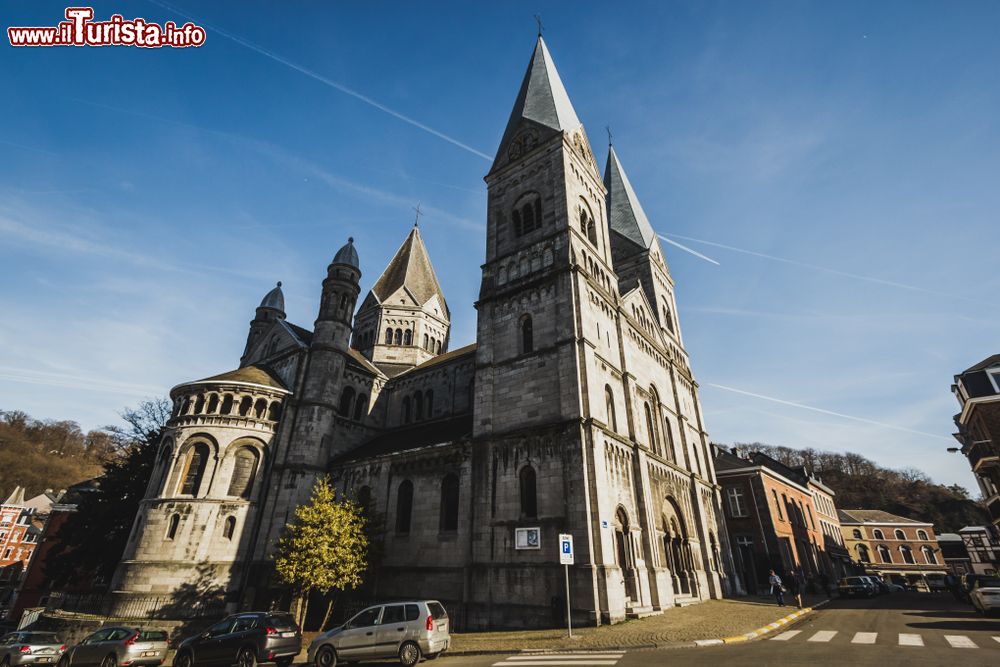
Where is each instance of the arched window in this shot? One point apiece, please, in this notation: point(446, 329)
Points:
point(429, 403)
point(592, 232)
point(213, 404)
point(437, 347)
point(426, 342)
point(587, 226)
point(929, 556)
point(878, 534)
point(406, 410)
point(907, 555)
point(668, 318)
point(227, 404)
point(398, 338)
point(194, 462)
point(527, 214)
point(650, 433)
point(609, 405)
point(408, 337)
point(922, 535)
point(418, 406)
point(274, 411)
point(365, 498)
point(360, 407)
point(388, 336)
point(229, 527)
point(346, 402)
point(883, 553)
point(669, 438)
point(172, 525)
point(244, 471)
point(529, 496)
point(260, 408)
point(199, 405)
point(404, 507)
point(245, 404)
point(856, 533)
point(863, 554)
point(449, 503)
point(900, 535)
point(527, 335)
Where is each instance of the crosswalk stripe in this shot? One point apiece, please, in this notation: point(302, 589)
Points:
point(960, 641)
point(911, 640)
point(560, 656)
point(823, 636)
point(996, 639)
point(542, 663)
point(785, 636)
point(864, 637)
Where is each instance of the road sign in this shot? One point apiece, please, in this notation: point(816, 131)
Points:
point(565, 549)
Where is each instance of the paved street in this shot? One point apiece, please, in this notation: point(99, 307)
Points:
point(910, 628)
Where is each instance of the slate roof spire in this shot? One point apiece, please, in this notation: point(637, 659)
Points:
point(541, 99)
point(411, 268)
point(625, 214)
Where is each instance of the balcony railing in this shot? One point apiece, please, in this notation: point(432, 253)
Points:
point(983, 454)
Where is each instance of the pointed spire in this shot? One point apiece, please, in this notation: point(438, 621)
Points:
point(274, 299)
point(410, 267)
point(17, 497)
point(625, 214)
point(348, 255)
point(542, 98)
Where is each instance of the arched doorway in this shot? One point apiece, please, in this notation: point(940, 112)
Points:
point(624, 556)
point(675, 542)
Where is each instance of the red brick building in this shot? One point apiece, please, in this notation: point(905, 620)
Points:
point(19, 534)
point(900, 550)
point(773, 520)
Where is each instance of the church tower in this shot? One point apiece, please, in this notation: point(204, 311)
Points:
point(404, 319)
point(271, 308)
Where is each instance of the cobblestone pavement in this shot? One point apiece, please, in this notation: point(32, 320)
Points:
point(713, 619)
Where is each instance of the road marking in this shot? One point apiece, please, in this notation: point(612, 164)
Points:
point(823, 636)
point(864, 637)
point(911, 640)
point(996, 639)
point(596, 659)
point(540, 663)
point(562, 656)
point(960, 641)
point(785, 636)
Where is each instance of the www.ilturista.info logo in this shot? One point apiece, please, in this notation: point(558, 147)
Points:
point(79, 29)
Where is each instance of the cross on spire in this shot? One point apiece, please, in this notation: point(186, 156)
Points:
point(608, 128)
point(538, 20)
point(416, 220)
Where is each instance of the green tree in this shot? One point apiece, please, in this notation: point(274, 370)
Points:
point(324, 548)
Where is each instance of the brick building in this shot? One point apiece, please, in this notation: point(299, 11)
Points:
point(778, 518)
point(575, 411)
point(895, 548)
point(978, 392)
point(19, 532)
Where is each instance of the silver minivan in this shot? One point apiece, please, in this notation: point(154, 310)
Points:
point(408, 631)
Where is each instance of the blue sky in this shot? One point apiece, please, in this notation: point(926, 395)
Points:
point(149, 198)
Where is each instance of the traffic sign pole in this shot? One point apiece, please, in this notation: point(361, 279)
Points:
point(569, 617)
point(566, 558)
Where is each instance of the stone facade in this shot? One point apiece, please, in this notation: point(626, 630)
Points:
point(896, 548)
point(574, 412)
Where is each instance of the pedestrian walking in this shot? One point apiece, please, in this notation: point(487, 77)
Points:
point(795, 588)
point(777, 588)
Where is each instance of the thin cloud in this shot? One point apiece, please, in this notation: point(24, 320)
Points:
point(824, 269)
point(49, 379)
point(823, 411)
point(687, 249)
point(322, 79)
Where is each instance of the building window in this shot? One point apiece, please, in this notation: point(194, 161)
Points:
point(426, 342)
point(863, 554)
point(360, 407)
point(172, 524)
point(244, 470)
point(907, 555)
point(929, 555)
point(668, 318)
point(527, 214)
point(388, 336)
point(737, 502)
point(404, 507)
point(856, 533)
point(449, 503)
point(429, 403)
point(883, 553)
point(229, 528)
point(922, 535)
point(407, 337)
point(649, 426)
point(811, 522)
point(777, 505)
point(900, 535)
point(406, 410)
point(587, 225)
point(529, 497)
point(346, 402)
point(878, 534)
point(194, 469)
point(527, 335)
point(397, 339)
point(609, 404)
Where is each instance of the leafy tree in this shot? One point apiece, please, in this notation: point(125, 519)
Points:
point(324, 548)
point(92, 541)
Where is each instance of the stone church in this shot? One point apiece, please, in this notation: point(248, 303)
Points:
point(575, 411)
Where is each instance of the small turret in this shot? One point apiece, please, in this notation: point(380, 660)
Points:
point(340, 293)
point(270, 310)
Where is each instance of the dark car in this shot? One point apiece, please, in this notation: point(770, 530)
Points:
point(854, 587)
point(243, 640)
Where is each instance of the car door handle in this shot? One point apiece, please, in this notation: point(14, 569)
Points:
point(369, 633)
point(400, 629)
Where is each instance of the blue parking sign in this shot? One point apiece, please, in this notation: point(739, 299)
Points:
point(565, 549)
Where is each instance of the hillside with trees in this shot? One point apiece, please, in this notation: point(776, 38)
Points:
point(862, 484)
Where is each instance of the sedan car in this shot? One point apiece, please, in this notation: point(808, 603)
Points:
point(407, 631)
point(30, 648)
point(985, 595)
point(118, 646)
point(243, 640)
point(854, 587)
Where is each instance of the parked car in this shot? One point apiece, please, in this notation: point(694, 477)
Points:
point(881, 588)
point(407, 631)
point(872, 584)
point(114, 646)
point(243, 640)
point(985, 595)
point(855, 587)
point(30, 648)
point(894, 588)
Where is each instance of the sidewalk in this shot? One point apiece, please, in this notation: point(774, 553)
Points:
point(714, 619)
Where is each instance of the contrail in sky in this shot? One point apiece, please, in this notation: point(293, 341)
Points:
point(829, 412)
point(815, 267)
point(322, 79)
point(687, 249)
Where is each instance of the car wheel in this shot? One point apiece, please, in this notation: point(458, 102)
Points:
point(246, 658)
point(409, 654)
point(326, 657)
point(110, 661)
point(284, 662)
point(183, 659)
point(63, 661)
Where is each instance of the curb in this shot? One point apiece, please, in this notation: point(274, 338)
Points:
point(759, 632)
point(550, 651)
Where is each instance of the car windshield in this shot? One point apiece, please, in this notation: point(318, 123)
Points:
point(40, 638)
point(282, 622)
point(152, 636)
